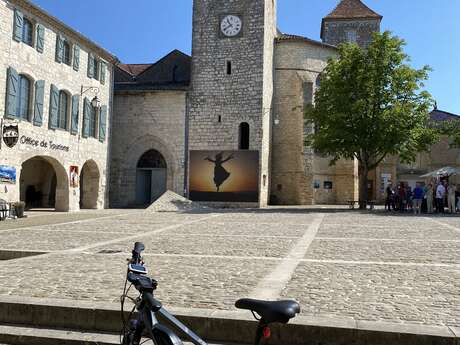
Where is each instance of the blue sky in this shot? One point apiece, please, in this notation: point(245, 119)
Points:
point(142, 31)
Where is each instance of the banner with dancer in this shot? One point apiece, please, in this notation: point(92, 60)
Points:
point(224, 176)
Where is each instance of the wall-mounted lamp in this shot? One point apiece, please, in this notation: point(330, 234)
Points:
point(95, 102)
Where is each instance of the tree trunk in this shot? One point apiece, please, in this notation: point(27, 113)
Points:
point(363, 173)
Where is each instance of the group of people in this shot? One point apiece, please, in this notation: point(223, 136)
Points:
point(433, 197)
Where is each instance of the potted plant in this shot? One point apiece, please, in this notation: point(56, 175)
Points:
point(19, 207)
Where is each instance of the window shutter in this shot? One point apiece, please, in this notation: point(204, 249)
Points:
point(76, 57)
point(17, 29)
point(102, 123)
point(86, 115)
point(39, 100)
point(54, 107)
point(40, 38)
point(59, 48)
point(90, 65)
point(12, 86)
point(102, 72)
point(75, 113)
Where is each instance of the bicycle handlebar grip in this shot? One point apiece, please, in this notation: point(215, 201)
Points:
point(138, 248)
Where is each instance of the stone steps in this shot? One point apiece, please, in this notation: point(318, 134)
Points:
point(41, 318)
point(22, 335)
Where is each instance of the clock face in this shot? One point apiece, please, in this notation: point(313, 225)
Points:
point(231, 25)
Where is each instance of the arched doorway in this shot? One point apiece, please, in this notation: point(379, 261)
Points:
point(89, 185)
point(44, 184)
point(151, 177)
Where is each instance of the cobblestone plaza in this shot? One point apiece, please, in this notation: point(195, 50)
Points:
point(337, 264)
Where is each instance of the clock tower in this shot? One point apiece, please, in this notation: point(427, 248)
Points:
point(232, 79)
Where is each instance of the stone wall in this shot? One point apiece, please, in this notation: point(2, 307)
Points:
point(335, 31)
point(141, 122)
point(296, 168)
point(220, 102)
point(27, 60)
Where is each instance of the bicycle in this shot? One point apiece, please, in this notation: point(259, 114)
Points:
point(146, 327)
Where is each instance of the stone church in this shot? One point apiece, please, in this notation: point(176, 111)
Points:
point(224, 126)
point(243, 89)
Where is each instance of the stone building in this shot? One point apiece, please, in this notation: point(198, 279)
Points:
point(393, 171)
point(243, 89)
point(54, 130)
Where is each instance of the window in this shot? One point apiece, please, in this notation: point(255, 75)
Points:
point(351, 36)
point(63, 109)
point(244, 136)
point(96, 68)
point(92, 122)
point(23, 98)
point(229, 67)
point(66, 55)
point(27, 32)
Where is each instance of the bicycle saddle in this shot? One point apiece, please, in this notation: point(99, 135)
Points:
point(279, 311)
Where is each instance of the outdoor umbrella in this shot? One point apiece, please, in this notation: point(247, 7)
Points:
point(445, 171)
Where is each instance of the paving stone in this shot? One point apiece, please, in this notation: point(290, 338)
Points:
point(421, 251)
point(420, 294)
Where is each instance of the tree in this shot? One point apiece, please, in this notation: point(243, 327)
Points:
point(452, 130)
point(369, 105)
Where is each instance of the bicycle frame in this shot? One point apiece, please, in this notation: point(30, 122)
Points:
point(152, 326)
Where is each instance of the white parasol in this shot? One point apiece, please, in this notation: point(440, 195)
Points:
point(445, 171)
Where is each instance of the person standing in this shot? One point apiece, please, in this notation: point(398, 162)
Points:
point(389, 201)
point(417, 199)
point(451, 198)
point(440, 194)
point(429, 198)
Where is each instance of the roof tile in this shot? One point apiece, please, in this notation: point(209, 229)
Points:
point(348, 9)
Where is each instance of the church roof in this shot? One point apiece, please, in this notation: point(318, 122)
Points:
point(172, 72)
point(441, 116)
point(134, 69)
point(295, 38)
point(350, 9)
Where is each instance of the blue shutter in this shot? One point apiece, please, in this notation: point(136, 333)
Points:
point(75, 113)
point(76, 57)
point(54, 107)
point(86, 119)
point(90, 65)
point(102, 72)
point(102, 123)
point(17, 28)
point(59, 48)
point(39, 100)
point(12, 90)
point(40, 38)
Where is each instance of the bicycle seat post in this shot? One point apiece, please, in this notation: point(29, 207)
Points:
point(263, 332)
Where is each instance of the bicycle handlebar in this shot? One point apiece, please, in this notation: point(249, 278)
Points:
point(136, 253)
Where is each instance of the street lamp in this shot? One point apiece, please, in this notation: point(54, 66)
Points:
point(95, 102)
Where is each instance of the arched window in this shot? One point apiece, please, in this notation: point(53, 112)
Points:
point(27, 32)
point(23, 99)
point(63, 108)
point(244, 136)
point(66, 58)
point(151, 160)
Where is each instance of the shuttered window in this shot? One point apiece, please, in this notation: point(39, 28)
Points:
point(40, 46)
point(27, 32)
point(67, 56)
point(23, 99)
point(92, 122)
point(63, 110)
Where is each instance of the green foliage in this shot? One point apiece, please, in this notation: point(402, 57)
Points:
point(371, 104)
